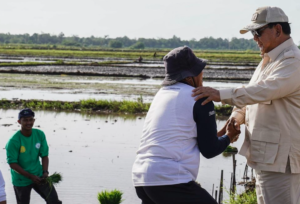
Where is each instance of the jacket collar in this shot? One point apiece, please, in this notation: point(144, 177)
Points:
point(273, 54)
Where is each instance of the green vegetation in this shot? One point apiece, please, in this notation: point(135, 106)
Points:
point(248, 197)
point(90, 105)
point(231, 149)
point(110, 197)
point(83, 105)
point(54, 179)
point(208, 43)
point(115, 44)
point(223, 110)
point(217, 56)
point(138, 45)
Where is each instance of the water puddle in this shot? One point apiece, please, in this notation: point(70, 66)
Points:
point(96, 153)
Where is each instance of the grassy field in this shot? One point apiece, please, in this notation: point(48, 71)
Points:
point(92, 105)
point(213, 56)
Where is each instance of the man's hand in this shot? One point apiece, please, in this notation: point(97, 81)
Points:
point(212, 94)
point(35, 179)
point(45, 175)
point(233, 130)
point(223, 130)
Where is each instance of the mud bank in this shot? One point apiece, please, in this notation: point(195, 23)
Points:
point(143, 72)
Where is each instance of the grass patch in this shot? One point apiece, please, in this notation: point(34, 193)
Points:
point(248, 197)
point(110, 197)
point(217, 56)
point(89, 105)
point(231, 149)
point(223, 110)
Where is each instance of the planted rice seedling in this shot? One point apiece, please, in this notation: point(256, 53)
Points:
point(248, 197)
point(110, 197)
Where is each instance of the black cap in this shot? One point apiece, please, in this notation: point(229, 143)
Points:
point(180, 63)
point(26, 112)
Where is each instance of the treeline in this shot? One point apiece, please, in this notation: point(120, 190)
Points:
point(208, 43)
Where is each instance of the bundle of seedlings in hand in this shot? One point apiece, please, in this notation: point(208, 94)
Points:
point(112, 197)
point(53, 179)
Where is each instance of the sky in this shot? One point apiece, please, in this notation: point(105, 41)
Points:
point(186, 19)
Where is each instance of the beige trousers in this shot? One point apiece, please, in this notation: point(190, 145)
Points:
point(277, 188)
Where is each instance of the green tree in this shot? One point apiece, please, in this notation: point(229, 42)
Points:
point(115, 44)
point(138, 45)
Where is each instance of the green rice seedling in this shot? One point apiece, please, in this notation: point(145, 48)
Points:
point(52, 180)
point(248, 197)
point(231, 149)
point(112, 197)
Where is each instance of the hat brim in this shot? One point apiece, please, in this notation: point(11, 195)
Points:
point(194, 71)
point(252, 26)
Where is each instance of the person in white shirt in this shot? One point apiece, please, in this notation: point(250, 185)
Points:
point(176, 130)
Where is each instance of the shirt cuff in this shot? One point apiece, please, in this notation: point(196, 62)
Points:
point(238, 116)
point(226, 138)
point(226, 95)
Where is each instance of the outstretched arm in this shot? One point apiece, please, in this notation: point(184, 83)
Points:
point(210, 145)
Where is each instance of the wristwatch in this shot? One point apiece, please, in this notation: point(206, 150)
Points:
point(45, 171)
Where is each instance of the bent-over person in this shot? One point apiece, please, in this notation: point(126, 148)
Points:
point(176, 130)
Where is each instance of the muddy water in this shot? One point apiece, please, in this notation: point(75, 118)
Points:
point(96, 153)
point(152, 85)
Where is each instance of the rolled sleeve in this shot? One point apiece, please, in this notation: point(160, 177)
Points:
point(12, 152)
point(226, 95)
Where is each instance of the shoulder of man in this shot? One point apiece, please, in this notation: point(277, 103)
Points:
point(39, 132)
point(291, 52)
point(15, 139)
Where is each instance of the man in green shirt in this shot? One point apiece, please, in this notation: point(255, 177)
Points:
point(24, 150)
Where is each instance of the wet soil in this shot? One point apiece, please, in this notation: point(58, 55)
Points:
point(143, 72)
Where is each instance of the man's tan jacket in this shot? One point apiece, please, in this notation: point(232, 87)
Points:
point(269, 106)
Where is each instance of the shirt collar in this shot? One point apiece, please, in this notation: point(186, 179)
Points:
point(273, 54)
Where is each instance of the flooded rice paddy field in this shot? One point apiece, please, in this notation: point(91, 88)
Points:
point(96, 153)
point(147, 69)
point(75, 88)
point(118, 70)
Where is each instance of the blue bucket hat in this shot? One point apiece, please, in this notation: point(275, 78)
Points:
point(180, 63)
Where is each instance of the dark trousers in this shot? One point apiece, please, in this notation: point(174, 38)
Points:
point(44, 190)
point(185, 193)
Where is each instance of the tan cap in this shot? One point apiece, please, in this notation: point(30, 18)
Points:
point(264, 16)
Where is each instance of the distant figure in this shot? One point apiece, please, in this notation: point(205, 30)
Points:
point(24, 150)
point(154, 55)
point(140, 59)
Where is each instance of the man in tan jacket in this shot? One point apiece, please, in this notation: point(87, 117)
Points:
point(269, 106)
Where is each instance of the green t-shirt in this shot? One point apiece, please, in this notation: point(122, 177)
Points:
point(26, 151)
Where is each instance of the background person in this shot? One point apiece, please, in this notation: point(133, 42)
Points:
point(2, 190)
point(175, 131)
point(23, 151)
point(269, 106)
